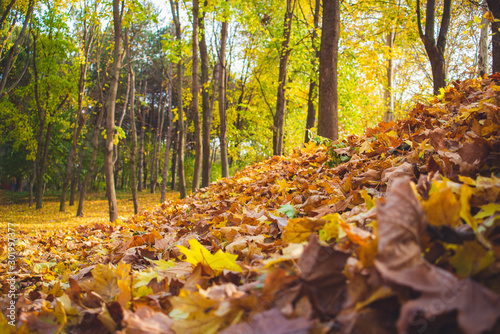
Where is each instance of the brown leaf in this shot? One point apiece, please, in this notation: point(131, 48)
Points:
point(399, 261)
point(323, 282)
point(146, 321)
point(271, 322)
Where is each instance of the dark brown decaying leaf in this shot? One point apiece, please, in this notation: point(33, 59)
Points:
point(399, 261)
point(323, 281)
point(271, 322)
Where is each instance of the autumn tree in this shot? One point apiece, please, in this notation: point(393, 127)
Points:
point(279, 115)
point(222, 99)
point(195, 114)
point(435, 49)
point(174, 5)
point(494, 7)
point(328, 57)
point(110, 119)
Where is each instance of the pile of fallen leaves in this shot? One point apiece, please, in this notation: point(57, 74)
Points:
point(394, 232)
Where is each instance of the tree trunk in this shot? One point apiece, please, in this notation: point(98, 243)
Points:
point(195, 111)
point(435, 50)
point(222, 101)
point(170, 125)
point(205, 103)
point(482, 59)
point(42, 164)
point(328, 56)
point(389, 90)
point(110, 119)
point(156, 143)
point(94, 143)
point(32, 176)
point(76, 177)
point(279, 116)
point(494, 7)
point(182, 138)
point(133, 130)
point(311, 111)
point(175, 145)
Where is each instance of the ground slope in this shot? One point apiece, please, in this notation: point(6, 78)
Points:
point(396, 231)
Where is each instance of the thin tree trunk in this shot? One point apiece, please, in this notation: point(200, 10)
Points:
point(142, 116)
point(328, 56)
point(175, 145)
point(279, 116)
point(31, 184)
point(222, 101)
point(311, 111)
point(195, 111)
point(181, 144)
point(494, 7)
point(76, 178)
point(389, 90)
point(205, 103)
point(482, 62)
point(42, 164)
point(94, 143)
point(157, 132)
point(170, 125)
point(110, 119)
point(133, 149)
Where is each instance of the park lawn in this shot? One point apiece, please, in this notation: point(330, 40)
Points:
point(14, 209)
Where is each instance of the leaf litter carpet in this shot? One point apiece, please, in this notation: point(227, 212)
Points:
point(397, 231)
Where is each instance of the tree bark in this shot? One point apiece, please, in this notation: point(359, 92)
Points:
point(205, 103)
point(494, 7)
point(94, 143)
point(142, 116)
point(279, 116)
point(435, 50)
point(482, 59)
point(170, 125)
point(195, 109)
point(389, 90)
point(222, 101)
point(110, 119)
point(157, 131)
point(182, 139)
point(133, 130)
point(328, 56)
point(311, 111)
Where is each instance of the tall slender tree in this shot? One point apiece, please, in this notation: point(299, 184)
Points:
point(222, 99)
point(195, 114)
point(110, 119)
point(133, 130)
point(207, 111)
point(494, 6)
point(311, 110)
point(279, 116)
point(328, 57)
point(174, 5)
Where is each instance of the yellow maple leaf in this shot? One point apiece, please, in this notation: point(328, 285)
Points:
point(194, 313)
point(299, 229)
point(443, 208)
point(111, 282)
point(217, 262)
